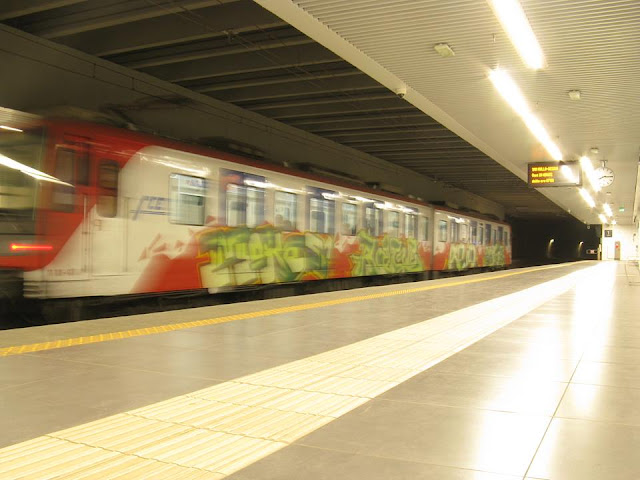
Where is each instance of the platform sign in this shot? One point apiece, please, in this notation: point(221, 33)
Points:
point(554, 174)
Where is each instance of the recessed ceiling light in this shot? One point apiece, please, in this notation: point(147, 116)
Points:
point(574, 94)
point(594, 150)
point(444, 50)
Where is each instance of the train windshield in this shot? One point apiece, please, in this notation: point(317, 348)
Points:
point(20, 163)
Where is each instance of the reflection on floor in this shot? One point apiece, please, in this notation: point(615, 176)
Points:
point(551, 394)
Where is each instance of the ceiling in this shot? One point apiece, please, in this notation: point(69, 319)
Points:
point(451, 125)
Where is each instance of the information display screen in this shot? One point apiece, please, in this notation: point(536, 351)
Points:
point(554, 174)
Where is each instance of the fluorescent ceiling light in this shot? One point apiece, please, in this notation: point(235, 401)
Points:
point(602, 218)
point(607, 209)
point(32, 172)
point(568, 174)
point(508, 89)
point(517, 27)
point(587, 167)
point(587, 198)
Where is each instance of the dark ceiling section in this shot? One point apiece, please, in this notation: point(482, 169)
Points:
point(235, 51)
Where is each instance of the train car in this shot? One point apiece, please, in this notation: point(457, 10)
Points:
point(93, 210)
point(464, 242)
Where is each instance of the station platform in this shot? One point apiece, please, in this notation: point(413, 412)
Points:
point(521, 374)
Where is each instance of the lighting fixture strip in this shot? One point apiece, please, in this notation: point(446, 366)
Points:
point(587, 167)
point(508, 89)
point(587, 198)
point(516, 25)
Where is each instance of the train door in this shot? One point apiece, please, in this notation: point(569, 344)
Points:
point(68, 209)
point(107, 220)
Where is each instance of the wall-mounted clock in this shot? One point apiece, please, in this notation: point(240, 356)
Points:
point(605, 176)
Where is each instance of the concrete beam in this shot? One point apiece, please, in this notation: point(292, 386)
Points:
point(298, 88)
point(274, 78)
point(252, 61)
point(217, 47)
point(99, 15)
point(168, 29)
point(339, 98)
point(337, 110)
point(19, 8)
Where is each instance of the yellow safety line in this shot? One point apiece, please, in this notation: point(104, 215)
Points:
point(105, 337)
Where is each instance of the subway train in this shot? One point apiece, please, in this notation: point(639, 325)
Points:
point(93, 210)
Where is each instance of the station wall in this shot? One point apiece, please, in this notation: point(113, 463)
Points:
point(628, 238)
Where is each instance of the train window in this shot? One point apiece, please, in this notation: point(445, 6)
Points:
point(82, 159)
point(236, 209)
point(506, 238)
point(373, 220)
point(474, 232)
point(244, 205)
point(455, 232)
point(394, 224)
point(108, 188)
point(442, 231)
point(186, 199)
point(17, 190)
point(410, 225)
point(349, 219)
point(487, 234)
point(500, 235)
point(285, 211)
point(255, 206)
point(480, 234)
point(464, 233)
point(321, 213)
point(426, 228)
point(242, 198)
point(63, 198)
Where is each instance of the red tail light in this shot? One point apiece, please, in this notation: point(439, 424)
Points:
point(26, 247)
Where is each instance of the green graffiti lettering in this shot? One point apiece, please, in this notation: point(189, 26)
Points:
point(244, 256)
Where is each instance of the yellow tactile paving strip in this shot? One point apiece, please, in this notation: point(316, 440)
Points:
point(105, 337)
point(211, 433)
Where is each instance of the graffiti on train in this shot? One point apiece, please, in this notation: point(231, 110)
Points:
point(265, 254)
point(462, 256)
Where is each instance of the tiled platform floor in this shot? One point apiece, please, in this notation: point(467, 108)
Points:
point(552, 395)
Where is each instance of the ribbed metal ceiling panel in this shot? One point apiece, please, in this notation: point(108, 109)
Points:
point(589, 45)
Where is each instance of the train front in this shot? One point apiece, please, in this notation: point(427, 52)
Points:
point(23, 245)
